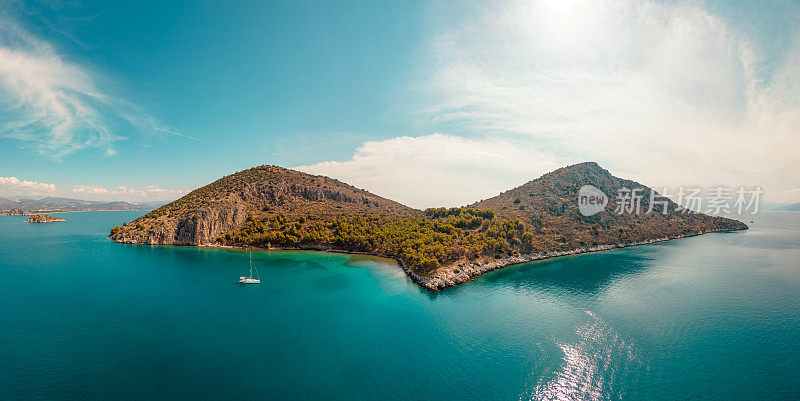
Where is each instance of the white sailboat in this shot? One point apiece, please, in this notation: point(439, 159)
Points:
point(250, 279)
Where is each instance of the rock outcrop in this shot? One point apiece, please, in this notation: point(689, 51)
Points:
point(43, 218)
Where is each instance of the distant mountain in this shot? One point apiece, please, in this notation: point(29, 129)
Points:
point(50, 204)
point(8, 204)
point(794, 207)
point(770, 206)
point(274, 207)
point(150, 205)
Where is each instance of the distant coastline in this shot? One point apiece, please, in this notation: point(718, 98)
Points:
point(23, 207)
point(33, 212)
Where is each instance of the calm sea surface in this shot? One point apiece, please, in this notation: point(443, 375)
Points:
point(83, 318)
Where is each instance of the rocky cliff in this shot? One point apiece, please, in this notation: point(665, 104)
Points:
point(200, 217)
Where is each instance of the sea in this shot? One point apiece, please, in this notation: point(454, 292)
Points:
point(713, 317)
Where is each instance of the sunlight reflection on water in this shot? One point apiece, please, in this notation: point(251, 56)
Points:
point(591, 365)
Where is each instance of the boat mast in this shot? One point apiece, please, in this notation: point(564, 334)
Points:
point(251, 264)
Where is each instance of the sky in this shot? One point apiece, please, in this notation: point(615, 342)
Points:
point(430, 103)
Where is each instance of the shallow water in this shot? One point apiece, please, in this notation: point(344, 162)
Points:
point(709, 317)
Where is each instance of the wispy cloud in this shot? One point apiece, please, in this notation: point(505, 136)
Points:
point(15, 186)
point(190, 137)
point(666, 92)
point(51, 104)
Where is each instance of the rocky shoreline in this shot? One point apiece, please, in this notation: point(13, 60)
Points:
point(447, 277)
point(453, 275)
point(43, 218)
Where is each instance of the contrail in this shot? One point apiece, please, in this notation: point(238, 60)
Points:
point(191, 137)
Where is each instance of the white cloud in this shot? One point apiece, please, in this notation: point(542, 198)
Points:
point(661, 92)
point(51, 104)
point(85, 189)
point(149, 193)
point(792, 194)
point(437, 170)
point(15, 186)
point(128, 192)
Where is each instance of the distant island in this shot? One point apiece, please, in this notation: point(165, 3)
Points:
point(51, 204)
point(794, 207)
point(43, 218)
point(272, 207)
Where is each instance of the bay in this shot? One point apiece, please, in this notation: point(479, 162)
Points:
point(81, 317)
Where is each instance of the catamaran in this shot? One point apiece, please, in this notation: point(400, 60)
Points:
point(250, 279)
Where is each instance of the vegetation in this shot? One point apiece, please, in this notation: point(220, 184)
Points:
point(440, 237)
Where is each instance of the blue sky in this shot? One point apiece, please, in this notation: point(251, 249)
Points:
point(429, 103)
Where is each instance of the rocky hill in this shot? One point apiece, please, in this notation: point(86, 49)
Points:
point(43, 218)
point(203, 215)
point(273, 207)
point(548, 207)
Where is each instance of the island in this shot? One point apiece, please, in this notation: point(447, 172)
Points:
point(794, 207)
point(271, 207)
point(43, 218)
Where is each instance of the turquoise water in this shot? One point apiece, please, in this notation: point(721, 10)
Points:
point(81, 317)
